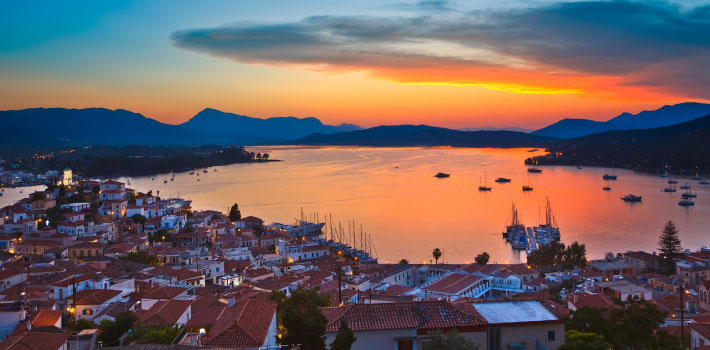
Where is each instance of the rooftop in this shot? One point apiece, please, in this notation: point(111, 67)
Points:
point(514, 312)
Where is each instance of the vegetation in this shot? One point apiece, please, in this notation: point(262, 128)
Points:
point(234, 213)
point(436, 254)
point(111, 331)
point(344, 339)
point(258, 233)
point(448, 341)
point(140, 160)
point(404, 261)
point(575, 340)
point(632, 325)
point(557, 254)
point(482, 258)
point(301, 318)
point(141, 256)
point(669, 247)
point(153, 335)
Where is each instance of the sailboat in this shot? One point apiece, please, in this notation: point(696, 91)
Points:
point(686, 186)
point(528, 187)
point(484, 186)
point(607, 187)
point(688, 194)
point(549, 231)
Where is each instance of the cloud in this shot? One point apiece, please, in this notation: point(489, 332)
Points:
point(609, 48)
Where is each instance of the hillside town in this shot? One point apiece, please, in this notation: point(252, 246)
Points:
point(93, 264)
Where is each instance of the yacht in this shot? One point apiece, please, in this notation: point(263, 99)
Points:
point(686, 203)
point(689, 195)
point(579, 167)
point(165, 181)
point(685, 187)
point(704, 182)
point(484, 186)
point(672, 182)
point(609, 177)
point(441, 175)
point(631, 198)
point(527, 188)
point(669, 189)
point(606, 188)
point(502, 180)
point(534, 170)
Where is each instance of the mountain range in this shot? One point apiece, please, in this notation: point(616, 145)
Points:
point(424, 135)
point(54, 127)
point(664, 116)
point(683, 147)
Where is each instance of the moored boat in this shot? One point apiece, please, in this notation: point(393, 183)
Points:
point(631, 198)
point(441, 175)
point(686, 203)
point(502, 180)
point(609, 177)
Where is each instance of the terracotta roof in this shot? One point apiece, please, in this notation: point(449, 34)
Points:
point(163, 313)
point(453, 283)
point(702, 328)
point(246, 324)
point(164, 292)
point(112, 182)
point(430, 314)
point(46, 317)
point(44, 338)
point(94, 296)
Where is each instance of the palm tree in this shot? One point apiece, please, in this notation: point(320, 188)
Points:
point(436, 254)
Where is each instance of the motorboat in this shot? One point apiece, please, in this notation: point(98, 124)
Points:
point(631, 198)
point(441, 175)
point(609, 177)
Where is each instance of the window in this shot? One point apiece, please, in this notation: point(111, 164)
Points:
point(494, 338)
point(550, 335)
point(87, 312)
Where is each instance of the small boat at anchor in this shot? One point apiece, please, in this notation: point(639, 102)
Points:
point(686, 203)
point(609, 177)
point(502, 180)
point(441, 175)
point(631, 198)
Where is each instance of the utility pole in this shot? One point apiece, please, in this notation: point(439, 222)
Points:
point(682, 316)
point(340, 294)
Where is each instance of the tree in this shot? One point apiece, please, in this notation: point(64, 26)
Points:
point(556, 253)
point(634, 324)
point(436, 254)
point(265, 156)
point(588, 320)
point(448, 341)
point(404, 261)
point(302, 320)
point(139, 219)
point(141, 256)
point(344, 339)
point(669, 247)
point(482, 258)
point(575, 340)
point(575, 255)
point(111, 331)
point(234, 213)
point(258, 232)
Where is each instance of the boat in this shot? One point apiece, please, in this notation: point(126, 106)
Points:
point(172, 179)
point(669, 189)
point(484, 186)
point(192, 173)
point(662, 175)
point(672, 182)
point(696, 178)
point(579, 167)
point(515, 228)
point(609, 177)
point(549, 231)
point(685, 187)
point(686, 203)
point(704, 182)
point(165, 181)
point(441, 175)
point(533, 150)
point(198, 179)
point(689, 195)
point(302, 228)
point(528, 187)
point(534, 170)
point(606, 188)
point(502, 180)
point(631, 198)
point(204, 171)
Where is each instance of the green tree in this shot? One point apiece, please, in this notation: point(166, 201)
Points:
point(234, 213)
point(436, 254)
point(140, 256)
point(258, 233)
point(482, 258)
point(669, 247)
point(588, 320)
point(139, 219)
point(345, 337)
point(448, 341)
point(111, 331)
point(153, 335)
point(404, 261)
point(575, 340)
point(556, 253)
point(634, 324)
point(302, 320)
point(575, 255)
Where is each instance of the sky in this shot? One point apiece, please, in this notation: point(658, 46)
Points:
point(500, 63)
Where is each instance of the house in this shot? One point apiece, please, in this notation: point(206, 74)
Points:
point(72, 228)
point(489, 325)
point(154, 295)
point(120, 249)
point(135, 210)
point(248, 323)
point(111, 195)
point(625, 289)
point(691, 272)
point(47, 317)
point(110, 185)
point(76, 207)
point(35, 246)
point(91, 302)
point(45, 338)
point(641, 260)
point(43, 204)
point(456, 285)
point(699, 336)
point(611, 267)
point(248, 222)
point(399, 274)
point(115, 208)
point(166, 313)
point(79, 252)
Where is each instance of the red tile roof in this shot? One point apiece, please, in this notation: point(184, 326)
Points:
point(94, 296)
point(246, 324)
point(420, 315)
point(453, 283)
point(163, 313)
point(46, 317)
point(44, 338)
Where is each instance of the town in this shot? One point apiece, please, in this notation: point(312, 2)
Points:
point(88, 264)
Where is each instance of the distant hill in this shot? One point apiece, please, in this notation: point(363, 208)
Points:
point(423, 135)
point(217, 125)
point(493, 128)
point(664, 116)
point(684, 147)
point(60, 127)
